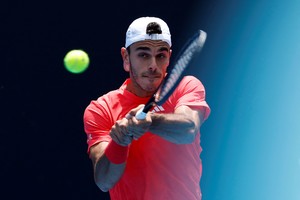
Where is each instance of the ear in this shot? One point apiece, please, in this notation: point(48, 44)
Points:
point(125, 57)
point(170, 56)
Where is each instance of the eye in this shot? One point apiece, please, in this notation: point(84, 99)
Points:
point(143, 55)
point(161, 56)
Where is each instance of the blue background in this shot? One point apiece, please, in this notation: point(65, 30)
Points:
point(252, 139)
point(250, 67)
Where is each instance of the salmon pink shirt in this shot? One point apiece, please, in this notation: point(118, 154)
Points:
point(156, 169)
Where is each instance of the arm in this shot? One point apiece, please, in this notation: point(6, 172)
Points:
point(179, 127)
point(106, 173)
point(109, 158)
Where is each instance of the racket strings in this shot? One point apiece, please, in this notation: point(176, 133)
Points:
point(179, 68)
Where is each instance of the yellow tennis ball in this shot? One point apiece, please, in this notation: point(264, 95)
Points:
point(76, 61)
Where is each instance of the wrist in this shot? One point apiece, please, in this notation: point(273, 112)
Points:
point(116, 153)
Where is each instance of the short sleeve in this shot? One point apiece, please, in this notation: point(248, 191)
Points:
point(97, 123)
point(191, 92)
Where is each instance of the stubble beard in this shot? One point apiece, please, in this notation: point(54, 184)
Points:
point(135, 80)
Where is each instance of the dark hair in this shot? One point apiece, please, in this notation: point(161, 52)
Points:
point(152, 28)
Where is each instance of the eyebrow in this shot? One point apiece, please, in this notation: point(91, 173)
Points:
point(148, 49)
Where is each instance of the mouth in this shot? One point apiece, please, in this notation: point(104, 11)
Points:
point(152, 76)
point(152, 79)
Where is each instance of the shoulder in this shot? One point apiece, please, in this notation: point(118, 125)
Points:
point(102, 103)
point(190, 81)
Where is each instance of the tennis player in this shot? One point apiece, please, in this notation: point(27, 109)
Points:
point(156, 158)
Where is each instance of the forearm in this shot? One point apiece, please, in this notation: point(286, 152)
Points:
point(176, 128)
point(107, 169)
point(107, 174)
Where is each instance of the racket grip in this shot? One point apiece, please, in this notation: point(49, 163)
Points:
point(140, 114)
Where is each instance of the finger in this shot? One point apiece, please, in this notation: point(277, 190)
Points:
point(128, 116)
point(134, 111)
point(119, 132)
point(121, 138)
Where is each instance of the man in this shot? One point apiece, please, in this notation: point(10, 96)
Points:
point(158, 157)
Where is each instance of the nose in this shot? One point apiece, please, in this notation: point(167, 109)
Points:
point(152, 64)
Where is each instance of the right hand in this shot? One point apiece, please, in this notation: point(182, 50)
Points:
point(120, 134)
point(137, 127)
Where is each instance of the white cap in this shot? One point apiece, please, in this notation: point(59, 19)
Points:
point(137, 31)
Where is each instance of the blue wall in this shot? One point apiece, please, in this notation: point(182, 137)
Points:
point(251, 69)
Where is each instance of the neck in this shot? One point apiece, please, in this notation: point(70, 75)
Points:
point(137, 90)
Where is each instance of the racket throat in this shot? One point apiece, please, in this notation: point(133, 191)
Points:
point(149, 104)
point(148, 107)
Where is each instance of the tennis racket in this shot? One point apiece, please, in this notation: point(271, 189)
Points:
point(173, 78)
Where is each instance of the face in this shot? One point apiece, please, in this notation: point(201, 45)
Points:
point(147, 65)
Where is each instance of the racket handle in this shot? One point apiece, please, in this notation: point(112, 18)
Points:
point(140, 114)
